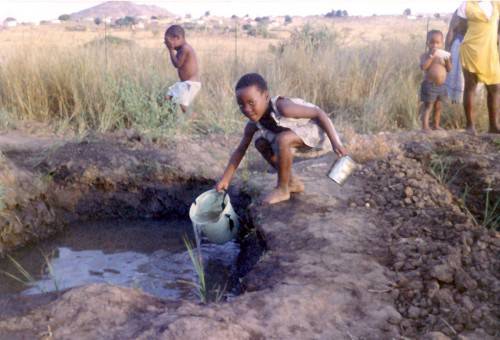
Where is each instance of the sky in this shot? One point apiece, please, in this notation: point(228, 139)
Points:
point(35, 10)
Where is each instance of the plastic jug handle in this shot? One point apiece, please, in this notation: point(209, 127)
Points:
point(231, 222)
point(223, 205)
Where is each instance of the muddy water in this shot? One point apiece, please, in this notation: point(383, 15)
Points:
point(148, 255)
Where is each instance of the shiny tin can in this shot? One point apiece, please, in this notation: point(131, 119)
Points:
point(342, 169)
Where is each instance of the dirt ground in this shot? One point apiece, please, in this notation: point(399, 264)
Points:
point(395, 253)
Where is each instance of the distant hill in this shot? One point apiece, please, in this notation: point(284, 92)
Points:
point(119, 9)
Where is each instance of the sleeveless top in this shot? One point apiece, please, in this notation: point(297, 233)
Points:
point(307, 129)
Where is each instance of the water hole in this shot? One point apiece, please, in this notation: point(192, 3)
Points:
point(146, 254)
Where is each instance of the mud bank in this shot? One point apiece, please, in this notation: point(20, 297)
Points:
point(95, 178)
point(391, 254)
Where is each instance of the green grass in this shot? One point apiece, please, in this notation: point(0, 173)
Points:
point(215, 294)
point(197, 261)
point(22, 276)
point(443, 168)
point(491, 215)
point(25, 278)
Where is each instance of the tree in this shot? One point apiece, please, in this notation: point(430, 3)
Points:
point(437, 15)
point(207, 13)
point(97, 21)
point(407, 12)
point(330, 14)
point(288, 19)
point(10, 19)
point(344, 13)
point(64, 17)
point(126, 21)
point(338, 13)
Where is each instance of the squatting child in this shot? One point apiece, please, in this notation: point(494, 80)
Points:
point(282, 124)
point(433, 90)
point(184, 59)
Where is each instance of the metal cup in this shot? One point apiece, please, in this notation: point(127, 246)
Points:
point(342, 169)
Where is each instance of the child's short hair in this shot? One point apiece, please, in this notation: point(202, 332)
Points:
point(432, 32)
point(175, 31)
point(251, 79)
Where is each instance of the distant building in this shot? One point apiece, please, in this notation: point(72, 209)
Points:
point(10, 22)
point(140, 25)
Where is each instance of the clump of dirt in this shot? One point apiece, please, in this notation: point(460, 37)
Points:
point(24, 211)
point(448, 269)
point(470, 168)
point(364, 148)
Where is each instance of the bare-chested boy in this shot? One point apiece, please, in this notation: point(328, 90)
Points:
point(433, 90)
point(184, 60)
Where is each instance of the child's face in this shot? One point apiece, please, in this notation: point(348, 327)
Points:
point(172, 41)
point(252, 102)
point(435, 41)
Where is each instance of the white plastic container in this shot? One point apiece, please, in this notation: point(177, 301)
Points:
point(213, 214)
point(443, 54)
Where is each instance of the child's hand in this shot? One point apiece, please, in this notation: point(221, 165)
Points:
point(341, 151)
point(222, 185)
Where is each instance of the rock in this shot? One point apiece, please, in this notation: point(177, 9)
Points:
point(435, 336)
point(464, 281)
point(408, 192)
point(444, 298)
point(467, 303)
point(443, 273)
point(477, 334)
point(413, 312)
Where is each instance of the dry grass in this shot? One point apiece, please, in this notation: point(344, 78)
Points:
point(360, 71)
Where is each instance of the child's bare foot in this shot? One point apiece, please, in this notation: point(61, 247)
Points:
point(426, 129)
point(438, 128)
point(295, 185)
point(471, 130)
point(276, 196)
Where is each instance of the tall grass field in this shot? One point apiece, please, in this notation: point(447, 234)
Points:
point(105, 82)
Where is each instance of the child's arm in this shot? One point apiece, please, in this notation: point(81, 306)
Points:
point(426, 60)
point(289, 109)
point(178, 57)
point(237, 156)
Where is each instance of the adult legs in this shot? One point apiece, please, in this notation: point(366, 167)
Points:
point(493, 106)
point(470, 84)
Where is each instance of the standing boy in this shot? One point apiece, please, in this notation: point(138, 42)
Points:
point(433, 90)
point(184, 60)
